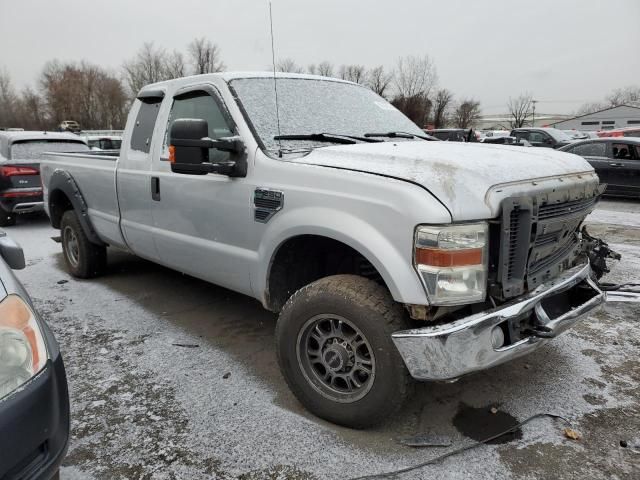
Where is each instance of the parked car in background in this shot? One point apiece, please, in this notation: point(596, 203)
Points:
point(69, 126)
point(616, 161)
point(34, 399)
point(20, 153)
point(496, 133)
point(506, 141)
point(103, 142)
point(542, 137)
point(620, 132)
point(576, 134)
point(454, 134)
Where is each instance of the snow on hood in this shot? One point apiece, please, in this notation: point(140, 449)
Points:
point(458, 174)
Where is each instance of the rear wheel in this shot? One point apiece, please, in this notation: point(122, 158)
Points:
point(7, 219)
point(83, 258)
point(334, 346)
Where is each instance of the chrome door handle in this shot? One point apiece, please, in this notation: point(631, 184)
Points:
point(615, 165)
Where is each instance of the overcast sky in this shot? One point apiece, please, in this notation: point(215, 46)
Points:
point(565, 52)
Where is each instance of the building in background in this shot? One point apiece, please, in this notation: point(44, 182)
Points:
point(502, 121)
point(622, 116)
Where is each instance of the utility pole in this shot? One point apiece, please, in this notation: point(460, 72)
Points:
point(533, 119)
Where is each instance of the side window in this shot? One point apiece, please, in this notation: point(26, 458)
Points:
point(522, 136)
point(537, 137)
point(145, 122)
point(591, 149)
point(622, 151)
point(201, 105)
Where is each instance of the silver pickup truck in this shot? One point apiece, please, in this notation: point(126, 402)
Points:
point(387, 255)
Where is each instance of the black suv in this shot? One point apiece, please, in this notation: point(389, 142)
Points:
point(20, 154)
point(542, 137)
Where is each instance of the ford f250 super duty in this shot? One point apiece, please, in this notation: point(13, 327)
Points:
point(388, 256)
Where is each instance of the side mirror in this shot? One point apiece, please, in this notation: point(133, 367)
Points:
point(11, 252)
point(189, 145)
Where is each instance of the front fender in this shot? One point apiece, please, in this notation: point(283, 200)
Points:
point(392, 261)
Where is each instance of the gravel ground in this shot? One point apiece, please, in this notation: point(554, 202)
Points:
point(171, 377)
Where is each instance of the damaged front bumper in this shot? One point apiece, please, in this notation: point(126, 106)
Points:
point(449, 351)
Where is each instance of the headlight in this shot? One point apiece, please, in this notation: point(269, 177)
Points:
point(22, 349)
point(452, 262)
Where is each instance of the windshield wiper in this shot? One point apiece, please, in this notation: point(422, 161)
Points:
point(327, 137)
point(401, 135)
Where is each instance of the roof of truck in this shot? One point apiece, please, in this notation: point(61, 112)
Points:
point(14, 136)
point(228, 76)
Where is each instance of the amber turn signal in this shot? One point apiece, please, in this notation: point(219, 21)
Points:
point(437, 257)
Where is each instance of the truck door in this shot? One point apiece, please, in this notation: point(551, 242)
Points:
point(133, 176)
point(202, 221)
point(624, 171)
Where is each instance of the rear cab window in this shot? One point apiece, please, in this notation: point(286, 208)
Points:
point(142, 133)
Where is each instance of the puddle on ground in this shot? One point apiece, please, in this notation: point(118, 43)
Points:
point(480, 423)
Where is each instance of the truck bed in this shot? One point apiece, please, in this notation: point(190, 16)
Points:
point(95, 175)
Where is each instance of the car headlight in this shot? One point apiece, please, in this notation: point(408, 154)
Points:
point(22, 349)
point(452, 262)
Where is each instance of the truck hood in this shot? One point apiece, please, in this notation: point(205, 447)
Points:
point(459, 175)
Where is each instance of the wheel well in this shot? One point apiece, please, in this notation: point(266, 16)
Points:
point(58, 204)
point(307, 258)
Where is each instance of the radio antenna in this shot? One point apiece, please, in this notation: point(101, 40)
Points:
point(275, 83)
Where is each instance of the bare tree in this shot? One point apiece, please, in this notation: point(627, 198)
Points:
point(466, 112)
point(591, 108)
point(8, 101)
point(629, 95)
point(31, 112)
point(148, 66)
point(312, 69)
point(415, 77)
point(205, 56)
point(378, 80)
point(288, 65)
point(352, 73)
point(520, 109)
point(325, 69)
point(82, 92)
point(441, 104)
point(175, 65)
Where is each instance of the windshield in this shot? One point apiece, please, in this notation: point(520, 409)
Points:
point(315, 106)
point(33, 149)
point(559, 135)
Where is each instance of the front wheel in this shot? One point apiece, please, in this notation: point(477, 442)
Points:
point(83, 258)
point(334, 347)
